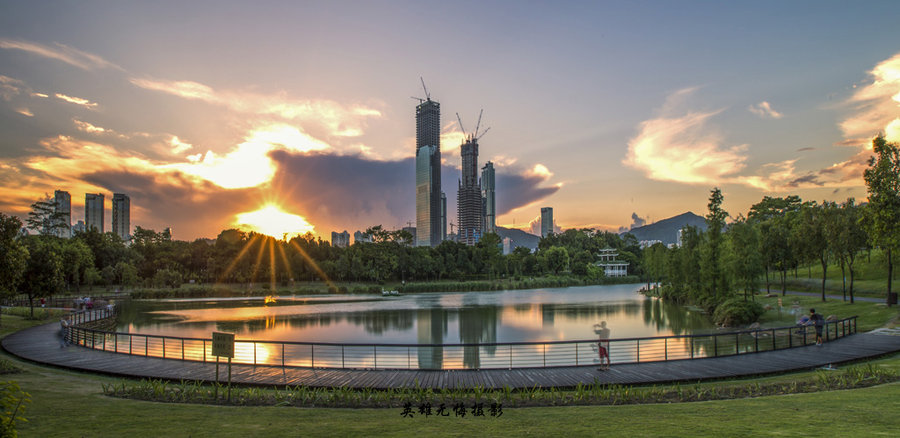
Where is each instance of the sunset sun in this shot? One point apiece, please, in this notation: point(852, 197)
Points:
point(272, 221)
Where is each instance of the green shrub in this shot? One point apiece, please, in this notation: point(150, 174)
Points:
point(736, 312)
point(12, 404)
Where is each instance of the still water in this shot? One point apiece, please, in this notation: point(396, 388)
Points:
point(428, 318)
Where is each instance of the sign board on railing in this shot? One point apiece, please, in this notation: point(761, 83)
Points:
point(223, 344)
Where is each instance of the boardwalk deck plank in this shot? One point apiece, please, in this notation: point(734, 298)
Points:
point(40, 344)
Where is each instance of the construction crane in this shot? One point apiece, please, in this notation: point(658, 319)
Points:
point(427, 94)
point(461, 125)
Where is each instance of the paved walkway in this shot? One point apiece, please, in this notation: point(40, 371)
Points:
point(827, 296)
point(41, 344)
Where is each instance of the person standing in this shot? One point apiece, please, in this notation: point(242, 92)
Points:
point(602, 344)
point(819, 322)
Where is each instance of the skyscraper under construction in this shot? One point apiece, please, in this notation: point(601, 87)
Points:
point(429, 229)
point(468, 199)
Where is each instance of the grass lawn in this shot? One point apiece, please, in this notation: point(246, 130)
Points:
point(67, 404)
point(870, 278)
point(870, 315)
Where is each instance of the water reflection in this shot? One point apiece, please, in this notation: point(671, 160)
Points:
point(468, 318)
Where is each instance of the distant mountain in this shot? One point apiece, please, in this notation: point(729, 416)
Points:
point(666, 230)
point(519, 237)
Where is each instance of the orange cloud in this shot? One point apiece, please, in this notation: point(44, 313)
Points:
point(60, 52)
point(765, 110)
point(339, 120)
point(681, 149)
point(876, 105)
point(77, 101)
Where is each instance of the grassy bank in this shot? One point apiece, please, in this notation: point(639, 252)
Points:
point(870, 315)
point(870, 278)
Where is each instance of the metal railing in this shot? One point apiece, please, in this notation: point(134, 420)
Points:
point(498, 355)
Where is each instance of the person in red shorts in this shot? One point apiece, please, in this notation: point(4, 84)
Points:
point(602, 344)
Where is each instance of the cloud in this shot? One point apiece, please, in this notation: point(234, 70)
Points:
point(534, 226)
point(9, 87)
point(89, 128)
point(249, 164)
point(60, 52)
point(637, 221)
point(764, 110)
point(876, 105)
point(339, 120)
point(682, 149)
point(179, 146)
point(77, 101)
point(25, 112)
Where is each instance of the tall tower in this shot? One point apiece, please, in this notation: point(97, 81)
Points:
point(546, 221)
point(63, 203)
point(428, 172)
point(487, 193)
point(121, 215)
point(93, 211)
point(468, 198)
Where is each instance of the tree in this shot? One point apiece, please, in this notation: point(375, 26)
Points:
point(850, 239)
point(715, 282)
point(43, 275)
point(882, 218)
point(45, 219)
point(13, 256)
point(557, 259)
point(745, 262)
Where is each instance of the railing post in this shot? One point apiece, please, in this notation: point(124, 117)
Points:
point(254, 353)
point(756, 342)
point(666, 349)
point(715, 345)
point(576, 354)
point(545, 355)
point(737, 343)
point(638, 351)
point(182, 348)
point(164, 347)
point(774, 345)
point(204, 350)
point(146, 346)
point(790, 339)
point(375, 355)
point(692, 347)
point(342, 357)
point(408, 358)
point(510, 356)
point(282, 354)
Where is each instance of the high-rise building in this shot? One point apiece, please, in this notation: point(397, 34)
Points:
point(340, 240)
point(424, 192)
point(93, 211)
point(361, 237)
point(468, 198)
point(121, 215)
point(546, 221)
point(63, 209)
point(428, 173)
point(487, 194)
point(443, 216)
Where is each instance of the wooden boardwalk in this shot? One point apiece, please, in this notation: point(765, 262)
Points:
point(41, 344)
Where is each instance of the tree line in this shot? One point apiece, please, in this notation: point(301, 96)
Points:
point(728, 262)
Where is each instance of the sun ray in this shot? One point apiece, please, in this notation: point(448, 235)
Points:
point(262, 247)
point(272, 265)
point(234, 262)
point(284, 259)
point(314, 265)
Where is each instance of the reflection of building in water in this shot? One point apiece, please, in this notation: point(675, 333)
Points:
point(431, 326)
point(547, 312)
point(477, 325)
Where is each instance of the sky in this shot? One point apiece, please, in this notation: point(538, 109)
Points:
point(212, 115)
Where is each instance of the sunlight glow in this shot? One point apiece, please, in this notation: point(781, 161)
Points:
point(272, 221)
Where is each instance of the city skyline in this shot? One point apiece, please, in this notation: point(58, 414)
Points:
point(615, 114)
